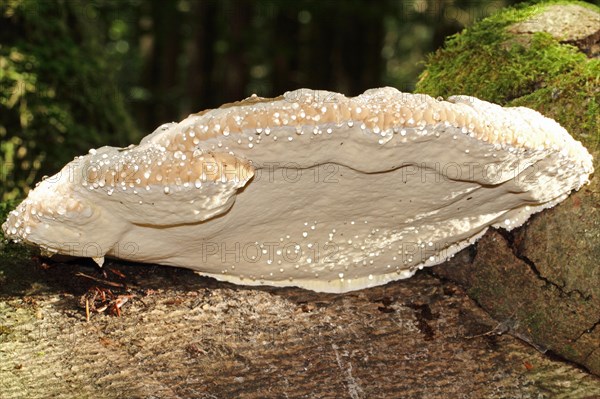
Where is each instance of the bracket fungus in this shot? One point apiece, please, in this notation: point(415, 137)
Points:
point(310, 189)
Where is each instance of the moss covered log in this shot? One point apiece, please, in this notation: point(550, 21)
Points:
point(544, 277)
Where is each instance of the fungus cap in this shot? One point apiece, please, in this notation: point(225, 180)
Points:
point(309, 189)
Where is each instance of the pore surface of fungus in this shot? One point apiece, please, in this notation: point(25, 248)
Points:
point(310, 189)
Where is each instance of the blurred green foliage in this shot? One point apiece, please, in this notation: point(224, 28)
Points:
point(58, 97)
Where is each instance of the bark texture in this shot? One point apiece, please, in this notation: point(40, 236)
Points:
point(184, 336)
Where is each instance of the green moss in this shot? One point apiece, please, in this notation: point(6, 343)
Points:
point(488, 62)
point(573, 99)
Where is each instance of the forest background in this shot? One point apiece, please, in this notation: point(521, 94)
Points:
point(77, 74)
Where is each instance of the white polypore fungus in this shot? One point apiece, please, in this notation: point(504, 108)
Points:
point(311, 189)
